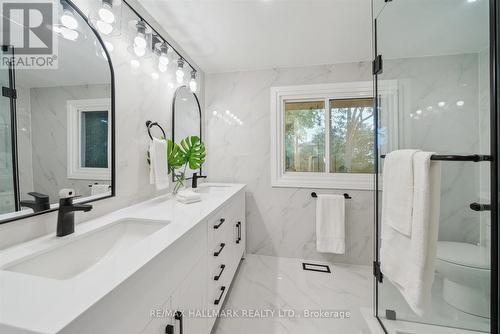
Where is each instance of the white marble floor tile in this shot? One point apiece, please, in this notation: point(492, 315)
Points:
point(280, 284)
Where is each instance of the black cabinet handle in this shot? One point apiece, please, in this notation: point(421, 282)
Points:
point(238, 226)
point(178, 316)
point(222, 245)
point(222, 220)
point(217, 301)
point(222, 267)
point(169, 329)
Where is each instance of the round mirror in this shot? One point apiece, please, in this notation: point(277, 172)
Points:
point(186, 117)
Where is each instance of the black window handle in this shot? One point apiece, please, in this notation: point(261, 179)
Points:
point(178, 316)
point(222, 220)
point(222, 245)
point(217, 301)
point(222, 267)
point(238, 226)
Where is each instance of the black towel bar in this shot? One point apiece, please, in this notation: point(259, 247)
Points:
point(346, 195)
point(453, 157)
point(150, 124)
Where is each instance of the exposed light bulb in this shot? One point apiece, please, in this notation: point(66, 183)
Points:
point(140, 40)
point(68, 19)
point(139, 52)
point(106, 12)
point(179, 74)
point(134, 63)
point(193, 85)
point(104, 28)
point(163, 59)
point(69, 34)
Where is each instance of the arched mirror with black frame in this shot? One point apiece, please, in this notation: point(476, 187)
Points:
point(186, 118)
point(58, 122)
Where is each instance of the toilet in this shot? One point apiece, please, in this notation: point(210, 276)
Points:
point(465, 269)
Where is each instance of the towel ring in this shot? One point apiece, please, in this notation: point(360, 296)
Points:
point(346, 195)
point(150, 124)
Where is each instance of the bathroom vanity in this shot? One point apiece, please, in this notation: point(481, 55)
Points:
point(156, 267)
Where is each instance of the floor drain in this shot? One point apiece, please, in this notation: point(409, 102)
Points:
point(322, 268)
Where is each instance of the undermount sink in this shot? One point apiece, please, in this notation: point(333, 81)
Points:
point(74, 256)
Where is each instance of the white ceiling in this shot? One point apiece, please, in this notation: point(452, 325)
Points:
point(231, 35)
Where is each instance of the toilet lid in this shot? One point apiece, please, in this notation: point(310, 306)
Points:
point(464, 254)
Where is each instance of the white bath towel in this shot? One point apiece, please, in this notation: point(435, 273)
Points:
point(397, 197)
point(409, 261)
point(158, 172)
point(97, 189)
point(330, 224)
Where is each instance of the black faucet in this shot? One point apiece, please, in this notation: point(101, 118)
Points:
point(194, 180)
point(66, 216)
point(41, 202)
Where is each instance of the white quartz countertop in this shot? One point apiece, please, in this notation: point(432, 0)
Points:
point(41, 305)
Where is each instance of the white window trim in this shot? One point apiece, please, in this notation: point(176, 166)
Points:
point(75, 109)
point(362, 89)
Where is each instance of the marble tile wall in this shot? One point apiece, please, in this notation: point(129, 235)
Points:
point(438, 112)
point(138, 98)
point(281, 221)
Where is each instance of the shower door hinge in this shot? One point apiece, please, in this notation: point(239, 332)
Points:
point(377, 272)
point(9, 92)
point(377, 65)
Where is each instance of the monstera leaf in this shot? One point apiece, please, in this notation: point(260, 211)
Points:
point(193, 151)
point(175, 156)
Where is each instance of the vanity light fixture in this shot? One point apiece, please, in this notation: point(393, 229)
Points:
point(106, 12)
point(192, 83)
point(163, 57)
point(68, 18)
point(179, 74)
point(140, 42)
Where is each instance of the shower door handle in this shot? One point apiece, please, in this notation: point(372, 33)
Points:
point(480, 207)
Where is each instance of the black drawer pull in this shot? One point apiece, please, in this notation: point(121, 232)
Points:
point(178, 316)
point(238, 226)
point(222, 220)
point(217, 301)
point(222, 245)
point(222, 267)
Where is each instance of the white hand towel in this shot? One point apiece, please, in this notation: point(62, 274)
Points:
point(330, 224)
point(158, 172)
point(188, 194)
point(409, 262)
point(97, 189)
point(397, 197)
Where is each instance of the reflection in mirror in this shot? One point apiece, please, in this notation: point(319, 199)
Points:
point(186, 117)
point(58, 130)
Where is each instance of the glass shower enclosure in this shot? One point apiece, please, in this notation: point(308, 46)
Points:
point(9, 184)
point(433, 89)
